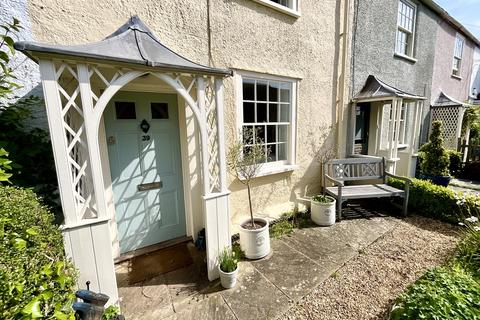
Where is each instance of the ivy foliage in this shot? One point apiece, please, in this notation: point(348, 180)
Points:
point(30, 161)
point(36, 279)
point(5, 166)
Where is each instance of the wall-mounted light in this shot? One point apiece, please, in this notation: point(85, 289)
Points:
point(145, 126)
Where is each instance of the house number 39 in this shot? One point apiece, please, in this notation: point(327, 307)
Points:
point(146, 137)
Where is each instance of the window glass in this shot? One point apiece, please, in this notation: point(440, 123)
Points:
point(268, 114)
point(159, 110)
point(125, 110)
point(405, 28)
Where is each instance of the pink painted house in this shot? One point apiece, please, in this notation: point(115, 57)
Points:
point(452, 72)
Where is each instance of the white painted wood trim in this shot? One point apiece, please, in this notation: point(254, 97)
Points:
point(295, 12)
point(185, 166)
point(204, 138)
point(92, 134)
point(221, 134)
point(57, 137)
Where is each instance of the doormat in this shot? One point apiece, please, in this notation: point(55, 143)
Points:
point(152, 264)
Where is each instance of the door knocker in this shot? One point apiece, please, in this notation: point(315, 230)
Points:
point(145, 126)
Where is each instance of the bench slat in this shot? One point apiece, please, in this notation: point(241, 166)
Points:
point(366, 191)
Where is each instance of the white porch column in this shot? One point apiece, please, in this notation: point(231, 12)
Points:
point(87, 241)
point(221, 135)
point(204, 137)
point(59, 141)
point(216, 205)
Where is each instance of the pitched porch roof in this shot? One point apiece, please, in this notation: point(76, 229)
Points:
point(133, 43)
point(376, 89)
point(444, 100)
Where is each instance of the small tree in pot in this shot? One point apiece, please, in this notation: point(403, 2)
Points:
point(434, 158)
point(245, 159)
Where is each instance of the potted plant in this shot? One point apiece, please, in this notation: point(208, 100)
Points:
point(322, 210)
point(228, 268)
point(245, 159)
point(434, 158)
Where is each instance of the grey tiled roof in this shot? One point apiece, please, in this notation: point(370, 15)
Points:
point(132, 43)
point(376, 88)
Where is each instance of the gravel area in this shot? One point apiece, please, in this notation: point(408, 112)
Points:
point(365, 287)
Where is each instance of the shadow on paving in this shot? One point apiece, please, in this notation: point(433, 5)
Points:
point(266, 288)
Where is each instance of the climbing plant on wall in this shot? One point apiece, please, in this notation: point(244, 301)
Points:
point(29, 150)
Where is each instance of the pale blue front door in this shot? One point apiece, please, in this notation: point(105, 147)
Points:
point(144, 154)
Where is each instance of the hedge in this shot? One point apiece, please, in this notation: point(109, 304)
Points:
point(36, 280)
point(430, 200)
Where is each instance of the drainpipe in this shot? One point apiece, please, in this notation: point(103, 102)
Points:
point(341, 98)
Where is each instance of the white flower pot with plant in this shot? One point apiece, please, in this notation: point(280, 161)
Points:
point(245, 159)
point(228, 268)
point(322, 210)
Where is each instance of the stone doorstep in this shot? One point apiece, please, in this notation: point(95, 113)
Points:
point(266, 288)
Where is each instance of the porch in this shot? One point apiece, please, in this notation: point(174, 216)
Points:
point(138, 139)
point(385, 122)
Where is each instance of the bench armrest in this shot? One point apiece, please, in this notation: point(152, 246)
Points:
point(335, 181)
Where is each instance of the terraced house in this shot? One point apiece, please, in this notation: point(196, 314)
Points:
point(142, 109)
point(143, 100)
point(408, 57)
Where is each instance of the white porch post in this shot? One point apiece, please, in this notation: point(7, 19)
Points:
point(87, 241)
point(59, 142)
point(351, 129)
point(216, 206)
point(221, 135)
point(397, 118)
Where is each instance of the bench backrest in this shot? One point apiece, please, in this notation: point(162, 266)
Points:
point(354, 169)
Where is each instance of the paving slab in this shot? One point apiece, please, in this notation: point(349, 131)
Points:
point(254, 297)
point(188, 286)
point(213, 308)
point(147, 300)
point(291, 271)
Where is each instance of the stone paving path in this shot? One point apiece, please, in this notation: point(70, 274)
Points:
point(465, 185)
point(266, 288)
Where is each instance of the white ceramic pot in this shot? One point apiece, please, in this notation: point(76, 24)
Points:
point(228, 279)
point(323, 214)
point(255, 242)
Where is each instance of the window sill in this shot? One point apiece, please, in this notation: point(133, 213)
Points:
point(456, 77)
point(279, 7)
point(405, 57)
point(276, 170)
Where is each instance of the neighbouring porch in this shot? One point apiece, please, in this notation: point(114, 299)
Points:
point(385, 122)
point(133, 125)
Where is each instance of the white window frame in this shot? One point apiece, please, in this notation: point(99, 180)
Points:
point(293, 7)
point(456, 72)
point(409, 55)
point(278, 166)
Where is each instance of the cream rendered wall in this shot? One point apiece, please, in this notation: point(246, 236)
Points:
point(244, 35)
point(457, 88)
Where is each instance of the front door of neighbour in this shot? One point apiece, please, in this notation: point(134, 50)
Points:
point(362, 123)
point(144, 154)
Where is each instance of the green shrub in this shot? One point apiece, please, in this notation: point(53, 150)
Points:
point(455, 158)
point(468, 250)
point(442, 293)
point(36, 280)
point(433, 154)
point(430, 200)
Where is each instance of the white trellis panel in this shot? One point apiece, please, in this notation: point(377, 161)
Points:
point(451, 117)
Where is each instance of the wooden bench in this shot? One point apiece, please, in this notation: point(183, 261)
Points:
point(364, 171)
